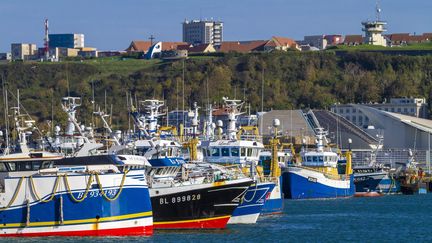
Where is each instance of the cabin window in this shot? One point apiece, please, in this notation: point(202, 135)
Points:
point(309, 159)
point(225, 152)
point(314, 158)
point(141, 151)
point(163, 153)
point(243, 152)
point(320, 159)
point(36, 165)
point(3, 167)
point(254, 152)
point(235, 152)
point(249, 152)
point(215, 152)
point(12, 166)
point(22, 166)
point(47, 164)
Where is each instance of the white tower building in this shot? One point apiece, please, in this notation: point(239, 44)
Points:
point(374, 29)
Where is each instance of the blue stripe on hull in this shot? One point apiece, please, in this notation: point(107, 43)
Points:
point(254, 199)
point(131, 201)
point(302, 188)
point(162, 162)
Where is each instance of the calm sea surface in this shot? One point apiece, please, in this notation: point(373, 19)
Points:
point(384, 219)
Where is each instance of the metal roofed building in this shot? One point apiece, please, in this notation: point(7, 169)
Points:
point(416, 107)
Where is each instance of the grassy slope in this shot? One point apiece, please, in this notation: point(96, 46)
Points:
point(410, 47)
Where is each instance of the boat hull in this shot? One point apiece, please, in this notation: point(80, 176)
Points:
point(308, 184)
point(252, 204)
point(375, 182)
point(128, 212)
point(204, 206)
point(275, 200)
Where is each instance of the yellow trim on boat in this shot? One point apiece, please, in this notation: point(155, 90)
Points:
point(191, 220)
point(219, 183)
point(78, 221)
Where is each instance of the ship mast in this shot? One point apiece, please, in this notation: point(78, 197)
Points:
point(152, 108)
point(234, 107)
point(6, 117)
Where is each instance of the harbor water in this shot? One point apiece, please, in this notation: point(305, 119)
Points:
point(395, 218)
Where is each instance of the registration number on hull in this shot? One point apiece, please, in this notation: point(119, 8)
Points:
point(179, 199)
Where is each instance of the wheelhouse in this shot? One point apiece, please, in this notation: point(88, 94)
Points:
point(320, 159)
point(232, 152)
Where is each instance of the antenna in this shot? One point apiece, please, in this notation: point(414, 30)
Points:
point(46, 43)
point(378, 10)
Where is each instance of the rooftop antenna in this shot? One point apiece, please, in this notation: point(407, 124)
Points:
point(378, 10)
point(46, 40)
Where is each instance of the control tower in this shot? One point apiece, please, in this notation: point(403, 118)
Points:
point(374, 29)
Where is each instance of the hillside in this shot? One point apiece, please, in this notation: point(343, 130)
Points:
point(292, 80)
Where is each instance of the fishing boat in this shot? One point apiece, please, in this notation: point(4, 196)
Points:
point(195, 196)
point(44, 194)
point(185, 195)
point(374, 179)
point(244, 152)
point(318, 175)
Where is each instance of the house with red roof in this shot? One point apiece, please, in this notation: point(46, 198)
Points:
point(139, 46)
point(283, 43)
point(275, 43)
point(401, 39)
point(202, 48)
point(353, 40)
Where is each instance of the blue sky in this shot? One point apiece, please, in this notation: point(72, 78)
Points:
point(112, 24)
